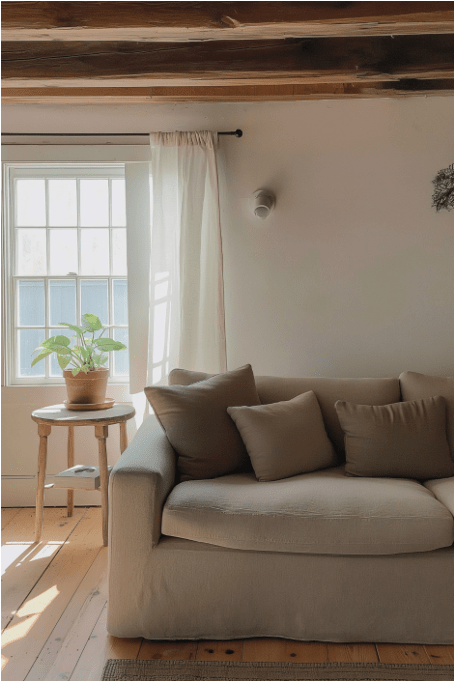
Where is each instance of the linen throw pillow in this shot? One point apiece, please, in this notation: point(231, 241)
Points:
point(400, 440)
point(285, 438)
point(416, 386)
point(197, 425)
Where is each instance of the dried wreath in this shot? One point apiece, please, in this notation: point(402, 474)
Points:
point(443, 196)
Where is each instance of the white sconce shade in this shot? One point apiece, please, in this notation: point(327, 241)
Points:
point(262, 203)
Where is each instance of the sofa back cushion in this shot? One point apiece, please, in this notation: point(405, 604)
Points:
point(416, 386)
point(373, 391)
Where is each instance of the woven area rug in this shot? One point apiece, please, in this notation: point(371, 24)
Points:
point(164, 670)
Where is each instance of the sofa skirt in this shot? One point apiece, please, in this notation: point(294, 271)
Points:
point(189, 590)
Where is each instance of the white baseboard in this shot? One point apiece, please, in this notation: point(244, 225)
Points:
point(20, 491)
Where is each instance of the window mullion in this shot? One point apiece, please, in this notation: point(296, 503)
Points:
point(79, 254)
point(111, 318)
point(78, 295)
point(47, 322)
point(110, 285)
point(46, 278)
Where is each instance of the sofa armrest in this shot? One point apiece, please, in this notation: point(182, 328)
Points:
point(443, 490)
point(139, 485)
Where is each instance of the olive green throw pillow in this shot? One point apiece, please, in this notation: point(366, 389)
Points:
point(400, 440)
point(197, 425)
point(285, 438)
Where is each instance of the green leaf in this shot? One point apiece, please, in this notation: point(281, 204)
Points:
point(75, 371)
point(59, 349)
point(63, 361)
point(73, 328)
point(49, 341)
point(41, 356)
point(91, 322)
point(62, 340)
point(107, 344)
point(56, 341)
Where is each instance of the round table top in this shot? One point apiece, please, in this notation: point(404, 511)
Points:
point(58, 415)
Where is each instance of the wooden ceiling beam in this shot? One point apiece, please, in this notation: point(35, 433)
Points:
point(247, 93)
point(184, 21)
point(314, 60)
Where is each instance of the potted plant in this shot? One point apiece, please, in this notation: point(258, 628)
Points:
point(82, 364)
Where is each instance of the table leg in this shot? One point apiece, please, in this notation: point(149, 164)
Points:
point(70, 493)
point(123, 437)
point(101, 433)
point(43, 432)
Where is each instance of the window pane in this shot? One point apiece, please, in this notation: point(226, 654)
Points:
point(28, 340)
point(94, 203)
point(118, 203)
point(119, 260)
point(54, 365)
point(31, 252)
point(62, 295)
point(121, 357)
point(31, 303)
point(63, 251)
point(93, 296)
point(62, 203)
point(94, 245)
point(120, 301)
point(30, 203)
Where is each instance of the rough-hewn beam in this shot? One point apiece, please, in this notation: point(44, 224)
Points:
point(314, 91)
point(245, 93)
point(182, 21)
point(312, 60)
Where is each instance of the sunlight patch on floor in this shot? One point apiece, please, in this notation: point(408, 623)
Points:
point(12, 551)
point(16, 633)
point(38, 604)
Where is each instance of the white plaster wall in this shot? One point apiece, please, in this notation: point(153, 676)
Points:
point(351, 275)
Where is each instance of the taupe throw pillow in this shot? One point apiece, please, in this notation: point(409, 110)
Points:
point(285, 438)
point(400, 440)
point(197, 425)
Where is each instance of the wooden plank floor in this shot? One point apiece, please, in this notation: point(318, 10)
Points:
point(54, 612)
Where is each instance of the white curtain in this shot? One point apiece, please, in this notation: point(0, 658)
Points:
point(175, 281)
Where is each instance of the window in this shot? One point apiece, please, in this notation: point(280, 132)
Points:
point(66, 252)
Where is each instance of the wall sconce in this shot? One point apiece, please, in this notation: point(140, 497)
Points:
point(262, 203)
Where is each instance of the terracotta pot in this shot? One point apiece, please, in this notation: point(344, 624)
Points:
point(86, 388)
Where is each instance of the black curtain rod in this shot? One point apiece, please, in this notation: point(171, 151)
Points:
point(235, 133)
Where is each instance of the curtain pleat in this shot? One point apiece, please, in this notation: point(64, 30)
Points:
point(175, 274)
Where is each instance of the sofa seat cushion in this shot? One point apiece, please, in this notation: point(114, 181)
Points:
point(443, 490)
point(321, 512)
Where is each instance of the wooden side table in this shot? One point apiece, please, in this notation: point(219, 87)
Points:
point(58, 415)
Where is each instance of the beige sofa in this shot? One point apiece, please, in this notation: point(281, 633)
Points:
point(319, 556)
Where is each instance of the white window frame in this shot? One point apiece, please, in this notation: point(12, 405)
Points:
point(11, 169)
point(41, 151)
